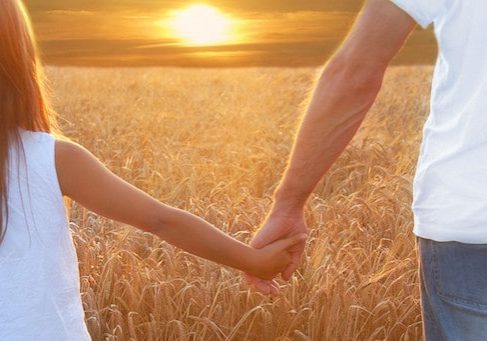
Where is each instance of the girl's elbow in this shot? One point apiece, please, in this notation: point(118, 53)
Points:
point(157, 220)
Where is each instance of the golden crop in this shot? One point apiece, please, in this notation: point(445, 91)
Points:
point(215, 142)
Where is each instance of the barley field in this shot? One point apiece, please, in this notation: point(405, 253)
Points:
point(215, 142)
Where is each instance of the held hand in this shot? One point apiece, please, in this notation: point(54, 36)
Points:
point(280, 224)
point(274, 258)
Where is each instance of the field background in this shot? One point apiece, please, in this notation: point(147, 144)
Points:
point(215, 142)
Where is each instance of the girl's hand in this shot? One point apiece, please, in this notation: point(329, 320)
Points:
point(272, 259)
point(283, 222)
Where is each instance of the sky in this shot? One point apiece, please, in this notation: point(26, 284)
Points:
point(139, 33)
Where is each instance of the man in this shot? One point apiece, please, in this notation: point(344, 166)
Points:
point(450, 185)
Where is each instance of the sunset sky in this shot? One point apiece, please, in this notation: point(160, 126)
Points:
point(235, 33)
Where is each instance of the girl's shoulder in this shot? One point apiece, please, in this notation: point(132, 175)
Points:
point(36, 154)
point(36, 148)
point(36, 143)
point(35, 135)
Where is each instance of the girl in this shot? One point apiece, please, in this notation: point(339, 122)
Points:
point(39, 279)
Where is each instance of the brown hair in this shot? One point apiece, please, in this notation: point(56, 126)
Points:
point(23, 102)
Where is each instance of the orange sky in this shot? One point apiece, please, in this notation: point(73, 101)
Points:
point(129, 32)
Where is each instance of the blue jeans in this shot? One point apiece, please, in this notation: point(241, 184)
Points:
point(453, 279)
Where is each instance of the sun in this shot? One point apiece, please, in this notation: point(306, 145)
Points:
point(201, 25)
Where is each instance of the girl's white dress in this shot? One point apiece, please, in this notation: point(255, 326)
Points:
point(39, 277)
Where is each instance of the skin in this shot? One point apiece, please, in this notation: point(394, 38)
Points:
point(344, 94)
point(83, 178)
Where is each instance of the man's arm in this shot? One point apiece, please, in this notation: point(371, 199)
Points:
point(345, 92)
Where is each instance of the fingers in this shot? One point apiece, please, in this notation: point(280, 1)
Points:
point(288, 272)
point(269, 232)
point(261, 239)
point(264, 287)
point(249, 279)
point(291, 241)
point(268, 288)
point(274, 288)
point(296, 257)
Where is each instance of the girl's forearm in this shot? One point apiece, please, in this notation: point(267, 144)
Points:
point(195, 235)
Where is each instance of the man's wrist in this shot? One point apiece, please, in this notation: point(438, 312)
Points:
point(289, 199)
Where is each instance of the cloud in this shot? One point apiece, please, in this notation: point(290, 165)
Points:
point(291, 5)
point(296, 26)
point(241, 5)
point(69, 12)
point(83, 25)
point(154, 53)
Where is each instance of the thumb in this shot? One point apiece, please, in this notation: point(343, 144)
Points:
point(287, 243)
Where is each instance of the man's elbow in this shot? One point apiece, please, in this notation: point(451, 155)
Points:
point(355, 75)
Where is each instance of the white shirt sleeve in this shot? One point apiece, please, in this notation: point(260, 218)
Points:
point(424, 12)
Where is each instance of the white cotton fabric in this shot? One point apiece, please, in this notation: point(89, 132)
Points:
point(39, 278)
point(450, 185)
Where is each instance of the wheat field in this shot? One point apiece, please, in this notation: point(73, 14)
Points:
point(215, 142)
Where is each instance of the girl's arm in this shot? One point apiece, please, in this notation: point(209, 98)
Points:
point(87, 181)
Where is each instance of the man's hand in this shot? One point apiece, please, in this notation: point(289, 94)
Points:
point(274, 258)
point(281, 223)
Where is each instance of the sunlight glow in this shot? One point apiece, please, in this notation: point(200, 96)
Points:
point(201, 25)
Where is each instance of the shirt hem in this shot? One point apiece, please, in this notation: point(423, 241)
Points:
point(445, 235)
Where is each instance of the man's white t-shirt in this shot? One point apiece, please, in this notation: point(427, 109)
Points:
point(450, 185)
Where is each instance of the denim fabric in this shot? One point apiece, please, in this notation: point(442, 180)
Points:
point(453, 279)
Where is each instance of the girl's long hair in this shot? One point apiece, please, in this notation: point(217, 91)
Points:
point(23, 103)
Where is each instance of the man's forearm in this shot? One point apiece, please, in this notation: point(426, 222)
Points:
point(343, 96)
